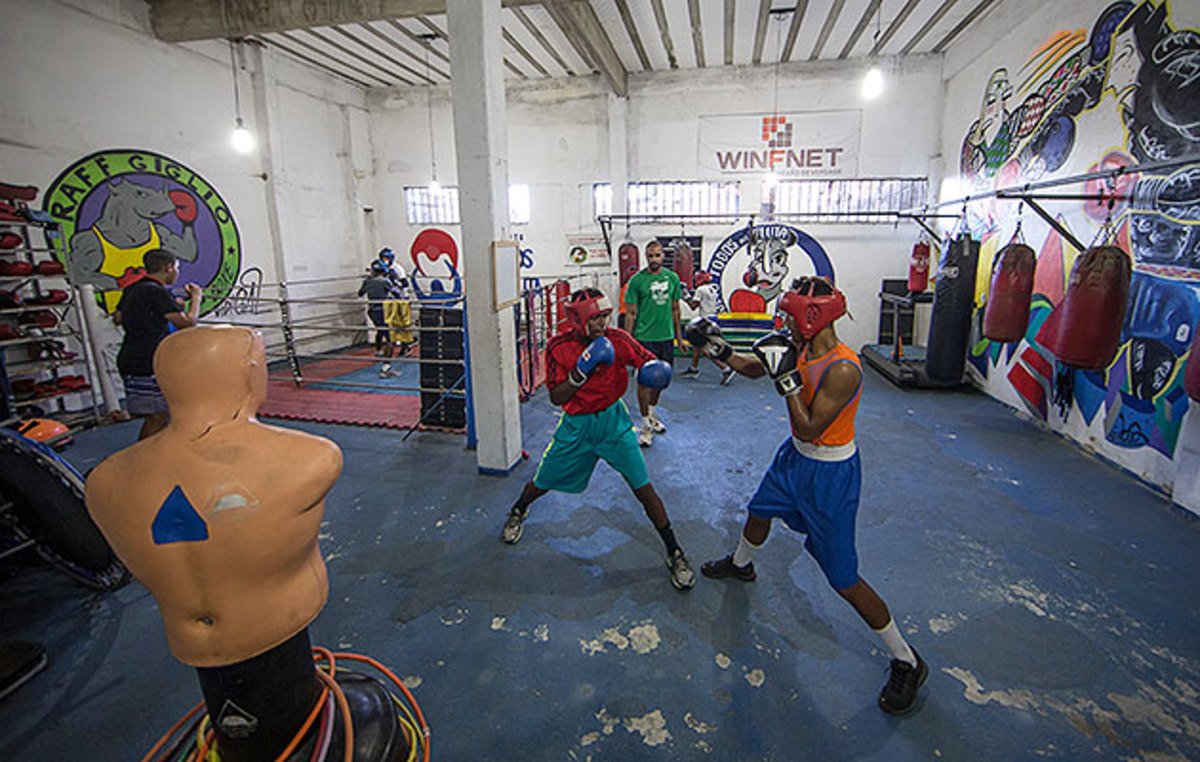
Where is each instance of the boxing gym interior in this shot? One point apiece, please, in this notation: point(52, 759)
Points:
point(395, 239)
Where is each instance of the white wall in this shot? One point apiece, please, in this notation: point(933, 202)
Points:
point(558, 145)
point(88, 76)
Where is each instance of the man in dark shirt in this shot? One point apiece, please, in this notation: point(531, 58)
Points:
point(145, 310)
point(377, 287)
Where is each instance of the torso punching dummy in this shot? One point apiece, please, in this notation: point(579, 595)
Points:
point(218, 516)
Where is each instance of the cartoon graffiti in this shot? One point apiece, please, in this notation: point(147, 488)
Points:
point(117, 205)
point(1134, 62)
point(246, 296)
point(108, 254)
point(755, 264)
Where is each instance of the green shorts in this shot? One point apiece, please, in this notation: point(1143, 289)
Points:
point(581, 440)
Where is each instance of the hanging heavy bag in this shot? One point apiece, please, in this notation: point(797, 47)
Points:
point(627, 261)
point(950, 323)
point(1087, 327)
point(918, 267)
point(1191, 375)
point(684, 263)
point(1007, 313)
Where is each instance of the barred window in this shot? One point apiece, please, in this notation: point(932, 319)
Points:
point(674, 198)
point(847, 200)
point(425, 206)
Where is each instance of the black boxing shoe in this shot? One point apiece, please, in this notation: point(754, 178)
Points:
point(724, 567)
point(900, 694)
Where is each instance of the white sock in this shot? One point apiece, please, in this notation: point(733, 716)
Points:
point(650, 414)
point(745, 552)
point(896, 644)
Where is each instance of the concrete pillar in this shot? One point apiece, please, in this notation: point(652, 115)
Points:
point(618, 177)
point(481, 144)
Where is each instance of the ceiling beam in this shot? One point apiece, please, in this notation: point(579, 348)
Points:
point(431, 69)
point(313, 49)
point(508, 37)
point(834, 11)
point(760, 30)
point(966, 22)
point(697, 31)
point(632, 30)
point(861, 27)
point(581, 25)
point(420, 41)
point(664, 31)
point(730, 20)
point(541, 38)
point(273, 43)
point(343, 49)
point(400, 64)
point(894, 27)
point(441, 35)
point(930, 24)
point(186, 20)
point(794, 30)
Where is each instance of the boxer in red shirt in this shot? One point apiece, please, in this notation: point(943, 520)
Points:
point(586, 375)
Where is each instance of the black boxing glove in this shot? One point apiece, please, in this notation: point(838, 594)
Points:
point(706, 335)
point(778, 356)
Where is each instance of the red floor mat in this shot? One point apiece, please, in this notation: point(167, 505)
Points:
point(286, 400)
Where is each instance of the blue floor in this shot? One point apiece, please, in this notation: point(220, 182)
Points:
point(1054, 597)
point(402, 378)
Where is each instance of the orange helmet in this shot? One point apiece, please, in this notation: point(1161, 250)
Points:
point(44, 429)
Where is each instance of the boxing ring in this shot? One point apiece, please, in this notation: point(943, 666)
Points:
point(322, 366)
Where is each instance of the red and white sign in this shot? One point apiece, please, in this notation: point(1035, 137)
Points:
point(805, 145)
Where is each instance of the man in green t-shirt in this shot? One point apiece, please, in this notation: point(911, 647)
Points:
point(652, 315)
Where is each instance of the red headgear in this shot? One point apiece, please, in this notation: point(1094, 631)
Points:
point(812, 313)
point(702, 278)
point(586, 307)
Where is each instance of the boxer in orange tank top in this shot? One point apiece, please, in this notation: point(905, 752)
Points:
point(814, 482)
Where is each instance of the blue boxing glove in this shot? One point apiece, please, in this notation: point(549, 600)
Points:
point(599, 352)
point(654, 374)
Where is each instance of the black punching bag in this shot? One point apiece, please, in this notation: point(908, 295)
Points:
point(950, 324)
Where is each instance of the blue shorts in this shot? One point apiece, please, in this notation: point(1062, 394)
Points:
point(142, 395)
point(581, 440)
point(819, 499)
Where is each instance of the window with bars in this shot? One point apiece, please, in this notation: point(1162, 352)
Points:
point(675, 198)
point(859, 200)
point(425, 206)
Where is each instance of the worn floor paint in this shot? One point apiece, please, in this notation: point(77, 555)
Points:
point(1054, 598)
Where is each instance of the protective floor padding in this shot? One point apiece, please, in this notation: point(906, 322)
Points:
point(326, 396)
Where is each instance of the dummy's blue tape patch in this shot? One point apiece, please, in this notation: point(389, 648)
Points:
point(177, 521)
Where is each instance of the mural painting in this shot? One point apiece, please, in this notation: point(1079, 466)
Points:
point(117, 205)
point(1134, 63)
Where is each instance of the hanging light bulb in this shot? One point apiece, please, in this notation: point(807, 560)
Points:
point(242, 139)
point(872, 83)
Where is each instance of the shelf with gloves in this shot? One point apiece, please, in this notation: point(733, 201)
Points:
point(40, 316)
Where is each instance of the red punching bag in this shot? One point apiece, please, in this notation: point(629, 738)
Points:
point(628, 262)
point(1088, 322)
point(918, 267)
point(1007, 314)
point(1191, 376)
point(684, 263)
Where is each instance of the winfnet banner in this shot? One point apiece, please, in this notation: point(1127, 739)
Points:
point(816, 144)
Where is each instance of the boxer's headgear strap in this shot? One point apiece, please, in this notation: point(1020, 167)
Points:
point(584, 305)
point(812, 312)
